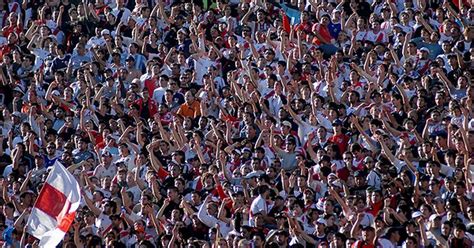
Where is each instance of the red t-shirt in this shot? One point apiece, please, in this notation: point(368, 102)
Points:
point(341, 140)
point(343, 173)
point(150, 84)
point(304, 27)
point(11, 29)
point(323, 31)
point(375, 208)
point(361, 244)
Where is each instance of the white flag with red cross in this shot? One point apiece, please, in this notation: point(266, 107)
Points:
point(55, 208)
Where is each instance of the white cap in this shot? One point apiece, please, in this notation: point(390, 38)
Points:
point(104, 32)
point(286, 123)
point(321, 221)
point(471, 125)
point(56, 93)
point(416, 214)
point(424, 49)
point(433, 217)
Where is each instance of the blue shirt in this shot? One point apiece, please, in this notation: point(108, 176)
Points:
point(140, 62)
point(334, 29)
point(49, 162)
point(434, 48)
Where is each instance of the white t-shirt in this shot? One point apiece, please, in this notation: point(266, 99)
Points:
point(94, 40)
point(158, 94)
point(102, 222)
point(101, 171)
point(126, 14)
point(201, 65)
point(380, 36)
point(41, 55)
point(129, 161)
point(259, 205)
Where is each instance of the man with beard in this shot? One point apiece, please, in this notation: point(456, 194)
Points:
point(51, 155)
point(102, 213)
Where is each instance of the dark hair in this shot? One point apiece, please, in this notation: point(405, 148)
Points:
point(460, 226)
point(262, 189)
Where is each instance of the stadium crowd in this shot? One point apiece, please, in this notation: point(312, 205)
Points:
point(257, 123)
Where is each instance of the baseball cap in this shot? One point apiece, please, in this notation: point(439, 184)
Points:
point(368, 159)
point(433, 217)
point(337, 123)
point(246, 149)
point(253, 174)
point(424, 49)
point(321, 221)
point(359, 174)
point(286, 123)
point(18, 89)
point(183, 30)
point(106, 153)
point(416, 214)
point(105, 32)
point(237, 151)
point(368, 228)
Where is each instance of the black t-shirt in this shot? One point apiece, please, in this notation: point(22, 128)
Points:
point(360, 190)
point(164, 160)
point(461, 243)
point(454, 75)
point(145, 113)
point(4, 161)
point(317, 239)
point(399, 116)
point(170, 38)
point(168, 182)
point(170, 208)
point(5, 94)
point(363, 9)
point(151, 49)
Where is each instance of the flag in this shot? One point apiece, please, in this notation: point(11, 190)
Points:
point(55, 208)
point(290, 17)
point(293, 15)
point(286, 23)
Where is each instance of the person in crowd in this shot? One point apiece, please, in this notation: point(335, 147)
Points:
point(232, 123)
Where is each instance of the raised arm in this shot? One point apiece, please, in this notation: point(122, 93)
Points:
point(363, 73)
point(405, 45)
point(204, 217)
point(90, 204)
point(424, 23)
point(160, 213)
point(342, 203)
point(245, 18)
point(386, 150)
point(366, 137)
point(154, 161)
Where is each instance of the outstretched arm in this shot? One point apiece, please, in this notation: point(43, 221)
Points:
point(90, 204)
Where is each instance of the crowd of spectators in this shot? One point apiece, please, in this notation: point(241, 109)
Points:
point(319, 123)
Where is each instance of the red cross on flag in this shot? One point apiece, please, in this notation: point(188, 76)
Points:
point(55, 208)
